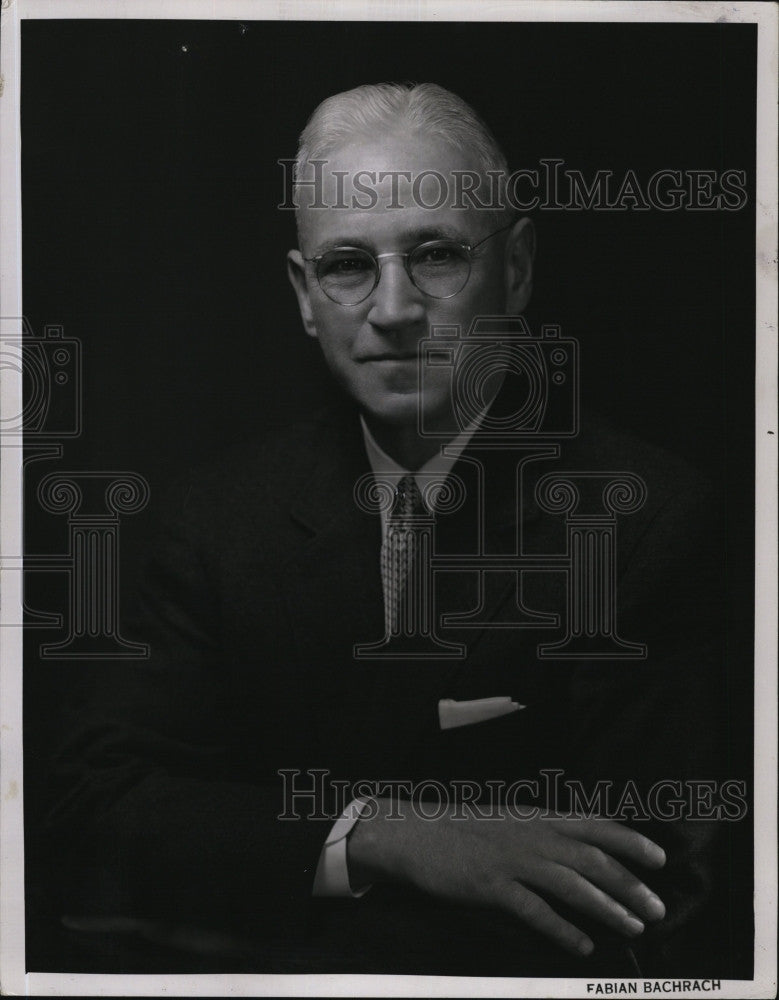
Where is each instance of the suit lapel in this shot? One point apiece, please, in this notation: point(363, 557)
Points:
point(499, 515)
point(333, 579)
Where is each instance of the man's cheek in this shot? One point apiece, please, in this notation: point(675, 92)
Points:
point(436, 386)
point(335, 344)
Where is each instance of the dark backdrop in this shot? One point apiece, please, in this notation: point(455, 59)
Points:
point(151, 234)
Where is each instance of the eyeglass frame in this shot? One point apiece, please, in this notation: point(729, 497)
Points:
point(376, 258)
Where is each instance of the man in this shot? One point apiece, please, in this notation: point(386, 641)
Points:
point(193, 780)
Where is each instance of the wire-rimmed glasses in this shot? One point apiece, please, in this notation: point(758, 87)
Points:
point(438, 268)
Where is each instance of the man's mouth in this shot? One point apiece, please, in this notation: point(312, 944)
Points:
point(408, 356)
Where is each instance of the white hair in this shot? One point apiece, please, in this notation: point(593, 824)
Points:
point(425, 107)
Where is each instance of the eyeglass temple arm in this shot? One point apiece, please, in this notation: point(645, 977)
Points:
point(501, 230)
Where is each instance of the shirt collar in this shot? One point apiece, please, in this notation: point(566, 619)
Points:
point(440, 465)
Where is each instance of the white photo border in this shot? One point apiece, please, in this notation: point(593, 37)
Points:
point(14, 980)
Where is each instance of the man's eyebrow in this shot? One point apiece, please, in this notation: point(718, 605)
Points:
point(343, 241)
point(439, 231)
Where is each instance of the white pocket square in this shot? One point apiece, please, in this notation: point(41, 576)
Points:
point(452, 714)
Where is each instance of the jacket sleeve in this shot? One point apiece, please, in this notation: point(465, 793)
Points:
point(155, 814)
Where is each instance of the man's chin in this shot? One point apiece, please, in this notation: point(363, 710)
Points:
point(397, 410)
point(405, 412)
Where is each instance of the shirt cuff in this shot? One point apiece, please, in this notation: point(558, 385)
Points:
point(332, 873)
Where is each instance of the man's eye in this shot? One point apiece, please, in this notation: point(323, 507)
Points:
point(346, 266)
point(438, 255)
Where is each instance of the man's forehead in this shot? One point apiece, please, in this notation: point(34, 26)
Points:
point(399, 147)
point(401, 232)
point(384, 229)
point(402, 184)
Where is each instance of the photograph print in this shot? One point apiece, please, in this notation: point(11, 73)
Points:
point(387, 457)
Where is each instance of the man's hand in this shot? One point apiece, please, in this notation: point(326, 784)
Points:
point(510, 863)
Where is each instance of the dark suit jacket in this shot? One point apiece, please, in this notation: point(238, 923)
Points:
point(261, 582)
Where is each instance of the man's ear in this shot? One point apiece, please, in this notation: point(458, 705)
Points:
point(296, 272)
point(520, 252)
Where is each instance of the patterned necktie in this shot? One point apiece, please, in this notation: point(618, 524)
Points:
point(399, 552)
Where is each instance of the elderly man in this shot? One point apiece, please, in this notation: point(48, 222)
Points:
point(260, 777)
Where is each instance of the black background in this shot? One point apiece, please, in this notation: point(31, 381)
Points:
point(151, 234)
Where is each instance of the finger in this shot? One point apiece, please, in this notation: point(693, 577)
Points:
point(576, 891)
point(615, 838)
point(533, 911)
point(605, 872)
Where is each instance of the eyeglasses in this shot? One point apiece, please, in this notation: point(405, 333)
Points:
point(438, 268)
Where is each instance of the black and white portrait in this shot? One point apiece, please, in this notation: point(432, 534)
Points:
point(385, 466)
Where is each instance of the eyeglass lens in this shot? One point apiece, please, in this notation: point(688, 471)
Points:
point(439, 269)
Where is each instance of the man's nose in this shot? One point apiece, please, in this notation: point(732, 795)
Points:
point(396, 302)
